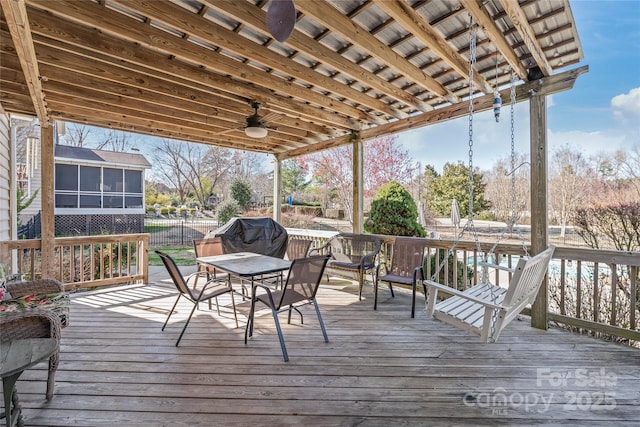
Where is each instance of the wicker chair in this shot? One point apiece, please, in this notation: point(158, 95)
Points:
point(33, 323)
point(46, 294)
point(35, 309)
point(351, 254)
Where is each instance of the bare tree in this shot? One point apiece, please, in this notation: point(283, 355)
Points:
point(570, 181)
point(253, 168)
point(507, 185)
point(207, 166)
point(192, 169)
point(169, 162)
point(119, 141)
point(629, 164)
point(76, 135)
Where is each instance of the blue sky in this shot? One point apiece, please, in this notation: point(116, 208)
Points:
point(600, 114)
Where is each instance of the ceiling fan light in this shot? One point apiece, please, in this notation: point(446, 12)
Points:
point(255, 131)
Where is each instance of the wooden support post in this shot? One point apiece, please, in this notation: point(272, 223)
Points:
point(358, 185)
point(47, 163)
point(539, 229)
point(277, 190)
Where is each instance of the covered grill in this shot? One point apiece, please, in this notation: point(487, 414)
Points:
point(259, 235)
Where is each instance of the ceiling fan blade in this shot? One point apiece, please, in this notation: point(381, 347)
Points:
point(223, 132)
point(281, 19)
point(271, 117)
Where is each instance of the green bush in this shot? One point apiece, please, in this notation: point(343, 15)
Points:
point(241, 193)
point(164, 211)
point(394, 212)
point(227, 210)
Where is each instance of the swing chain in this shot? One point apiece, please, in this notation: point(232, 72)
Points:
point(469, 224)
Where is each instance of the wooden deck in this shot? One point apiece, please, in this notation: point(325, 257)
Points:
point(380, 368)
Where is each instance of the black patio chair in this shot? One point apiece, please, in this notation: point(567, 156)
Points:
point(405, 268)
point(212, 288)
point(300, 289)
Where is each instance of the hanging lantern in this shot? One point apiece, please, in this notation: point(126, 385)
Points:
point(497, 103)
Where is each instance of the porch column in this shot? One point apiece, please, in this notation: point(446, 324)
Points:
point(539, 234)
point(277, 189)
point(47, 196)
point(358, 184)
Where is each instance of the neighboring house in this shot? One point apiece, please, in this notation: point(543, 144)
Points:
point(96, 192)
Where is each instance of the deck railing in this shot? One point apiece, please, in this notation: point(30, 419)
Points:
point(590, 291)
point(85, 261)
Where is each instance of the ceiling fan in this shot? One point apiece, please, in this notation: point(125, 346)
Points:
point(281, 19)
point(255, 125)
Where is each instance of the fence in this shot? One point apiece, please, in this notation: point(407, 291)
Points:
point(177, 232)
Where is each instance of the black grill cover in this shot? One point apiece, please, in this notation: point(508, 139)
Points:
point(259, 235)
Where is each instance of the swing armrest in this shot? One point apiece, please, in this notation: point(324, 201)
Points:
point(455, 292)
point(496, 266)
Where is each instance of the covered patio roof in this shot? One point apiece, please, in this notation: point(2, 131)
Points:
point(189, 69)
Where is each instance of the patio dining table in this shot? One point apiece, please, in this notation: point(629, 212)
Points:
point(246, 265)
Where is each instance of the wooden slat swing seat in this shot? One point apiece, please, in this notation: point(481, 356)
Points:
point(486, 309)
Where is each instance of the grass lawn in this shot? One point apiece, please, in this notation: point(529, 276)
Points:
point(182, 255)
point(156, 228)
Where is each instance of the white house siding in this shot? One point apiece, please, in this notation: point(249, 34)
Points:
point(5, 174)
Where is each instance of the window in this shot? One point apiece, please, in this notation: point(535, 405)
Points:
point(94, 187)
point(89, 178)
point(112, 201)
point(112, 180)
point(133, 202)
point(90, 201)
point(133, 181)
point(66, 177)
point(66, 200)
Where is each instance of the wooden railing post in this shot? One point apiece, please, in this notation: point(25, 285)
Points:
point(144, 254)
point(48, 202)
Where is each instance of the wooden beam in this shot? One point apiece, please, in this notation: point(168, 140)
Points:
point(521, 24)
point(121, 123)
point(539, 221)
point(331, 18)
point(179, 18)
point(489, 27)
point(358, 184)
point(404, 14)
point(15, 13)
point(277, 190)
point(256, 18)
point(100, 74)
point(546, 86)
point(47, 196)
point(103, 42)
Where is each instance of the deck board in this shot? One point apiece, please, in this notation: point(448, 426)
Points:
point(380, 368)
